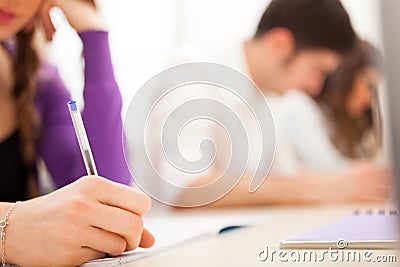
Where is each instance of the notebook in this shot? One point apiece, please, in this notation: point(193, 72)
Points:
point(172, 231)
point(377, 230)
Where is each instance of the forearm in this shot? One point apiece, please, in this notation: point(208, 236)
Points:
point(274, 191)
point(103, 125)
point(102, 112)
point(359, 183)
point(4, 206)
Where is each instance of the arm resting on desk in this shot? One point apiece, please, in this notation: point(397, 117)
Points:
point(360, 182)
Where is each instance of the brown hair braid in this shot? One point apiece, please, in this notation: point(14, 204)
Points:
point(26, 65)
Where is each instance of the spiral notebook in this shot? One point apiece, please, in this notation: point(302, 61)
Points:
point(371, 230)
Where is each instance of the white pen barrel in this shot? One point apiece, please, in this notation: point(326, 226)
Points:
point(82, 139)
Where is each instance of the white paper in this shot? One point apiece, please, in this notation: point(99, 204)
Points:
point(171, 229)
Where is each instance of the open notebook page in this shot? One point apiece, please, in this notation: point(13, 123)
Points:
point(174, 229)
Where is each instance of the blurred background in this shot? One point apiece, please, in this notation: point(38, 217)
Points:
point(148, 36)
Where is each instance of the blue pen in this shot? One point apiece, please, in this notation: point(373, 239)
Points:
point(82, 138)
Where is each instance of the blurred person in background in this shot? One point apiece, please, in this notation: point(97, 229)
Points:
point(336, 135)
point(350, 100)
point(342, 123)
point(297, 45)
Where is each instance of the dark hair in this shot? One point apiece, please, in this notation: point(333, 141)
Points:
point(348, 133)
point(26, 65)
point(315, 24)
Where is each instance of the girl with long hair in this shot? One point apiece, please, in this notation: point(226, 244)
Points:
point(350, 101)
point(92, 216)
point(35, 122)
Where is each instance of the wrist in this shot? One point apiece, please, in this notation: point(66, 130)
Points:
point(91, 24)
point(4, 207)
point(88, 19)
point(6, 214)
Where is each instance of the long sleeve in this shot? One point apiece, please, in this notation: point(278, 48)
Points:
point(58, 144)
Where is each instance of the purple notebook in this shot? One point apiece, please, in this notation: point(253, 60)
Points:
point(357, 231)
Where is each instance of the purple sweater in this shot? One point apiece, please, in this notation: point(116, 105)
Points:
point(58, 145)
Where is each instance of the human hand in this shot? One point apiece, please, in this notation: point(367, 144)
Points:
point(80, 222)
point(359, 182)
point(81, 14)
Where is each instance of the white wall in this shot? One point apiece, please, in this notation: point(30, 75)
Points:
point(145, 35)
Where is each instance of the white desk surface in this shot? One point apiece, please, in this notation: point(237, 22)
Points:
point(241, 247)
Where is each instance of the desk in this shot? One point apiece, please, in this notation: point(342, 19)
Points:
point(241, 247)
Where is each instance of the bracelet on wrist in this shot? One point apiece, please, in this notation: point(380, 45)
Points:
point(3, 224)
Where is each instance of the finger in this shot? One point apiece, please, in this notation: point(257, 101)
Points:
point(378, 194)
point(92, 2)
point(45, 18)
point(81, 15)
point(384, 192)
point(121, 222)
point(60, 4)
point(89, 254)
point(122, 196)
point(147, 240)
point(383, 181)
point(103, 241)
point(387, 186)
